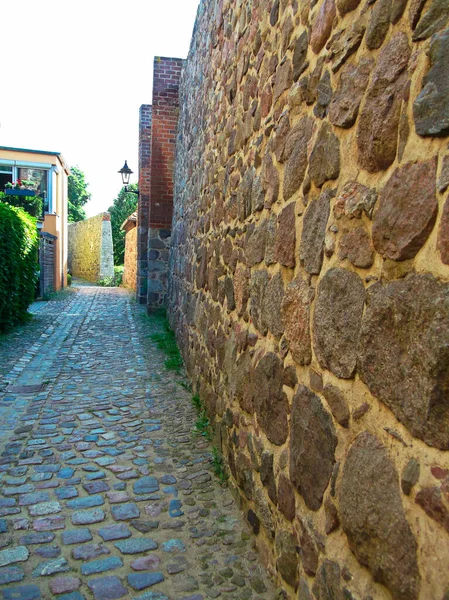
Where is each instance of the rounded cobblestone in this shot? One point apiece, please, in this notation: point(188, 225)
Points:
point(101, 472)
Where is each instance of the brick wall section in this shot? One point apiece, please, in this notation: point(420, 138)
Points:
point(165, 111)
point(167, 73)
point(145, 114)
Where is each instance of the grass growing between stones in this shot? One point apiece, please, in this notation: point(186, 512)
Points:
point(218, 465)
point(166, 341)
point(202, 424)
point(203, 427)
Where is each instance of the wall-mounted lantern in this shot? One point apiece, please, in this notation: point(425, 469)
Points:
point(126, 173)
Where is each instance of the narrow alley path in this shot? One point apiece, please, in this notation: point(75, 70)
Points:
point(105, 491)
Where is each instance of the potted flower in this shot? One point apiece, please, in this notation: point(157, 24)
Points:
point(22, 187)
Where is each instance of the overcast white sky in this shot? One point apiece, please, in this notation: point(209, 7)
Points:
point(75, 74)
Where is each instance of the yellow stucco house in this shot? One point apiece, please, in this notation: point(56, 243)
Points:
point(48, 172)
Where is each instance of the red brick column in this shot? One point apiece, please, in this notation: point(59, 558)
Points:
point(165, 112)
point(143, 209)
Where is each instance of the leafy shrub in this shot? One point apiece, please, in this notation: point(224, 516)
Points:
point(114, 281)
point(69, 279)
point(18, 264)
point(31, 204)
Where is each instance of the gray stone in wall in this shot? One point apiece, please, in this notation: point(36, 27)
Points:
point(106, 251)
point(157, 267)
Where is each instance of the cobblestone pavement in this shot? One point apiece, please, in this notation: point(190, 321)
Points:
point(105, 490)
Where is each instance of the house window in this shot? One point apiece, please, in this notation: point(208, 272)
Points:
point(5, 176)
point(39, 178)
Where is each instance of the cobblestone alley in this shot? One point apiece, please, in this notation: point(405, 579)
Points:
point(106, 491)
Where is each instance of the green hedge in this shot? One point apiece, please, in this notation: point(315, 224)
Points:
point(18, 264)
point(31, 204)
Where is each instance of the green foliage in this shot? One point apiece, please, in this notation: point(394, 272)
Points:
point(18, 264)
point(123, 206)
point(203, 424)
point(31, 204)
point(218, 465)
point(69, 279)
point(196, 401)
point(166, 342)
point(114, 281)
point(77, 195)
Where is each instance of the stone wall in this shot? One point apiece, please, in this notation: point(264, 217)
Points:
point(90, 251)
point(309, 282)
point(130, 272)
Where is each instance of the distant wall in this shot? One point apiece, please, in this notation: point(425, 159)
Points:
point(309, 274)
point(90, 252)
point(130, 272)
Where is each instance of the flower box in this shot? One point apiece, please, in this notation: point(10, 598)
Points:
point(13, 192)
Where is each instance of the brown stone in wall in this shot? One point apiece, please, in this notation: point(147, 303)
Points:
point(259, 282)
point(406, 211)
point(373, 518)
point(325, 158)
point(403, 357)
point(279, 137)
point(345, 6)
point(296, 318)
point(354, 199)
point(285, 251)
point(312, 447)
point(241, 289)
point(323, 96)
point(270, 402)
point(327, 584)
point(432, 501)
point(244, 196)
point(284, 79)
point(255, 243)
point(345, 103)
point(337, 320)
point(300, 55)
point(443, 181)
point(431, 107)
point(337, 404)
point(288, 559)
point(244, 474)
point(286, 497)
point(443, 234)
point(270, 181)
point(243, 382)
point(345, 42)
point(397, 10)
point(356, 247)
point(271, 309)
point(322, 25)
point(270, 248)
point(379, 24)
point(267, 476)
point(379, 121)
point(295, 155)
point(433, 20)
point(310, 546)
point(313, 233)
